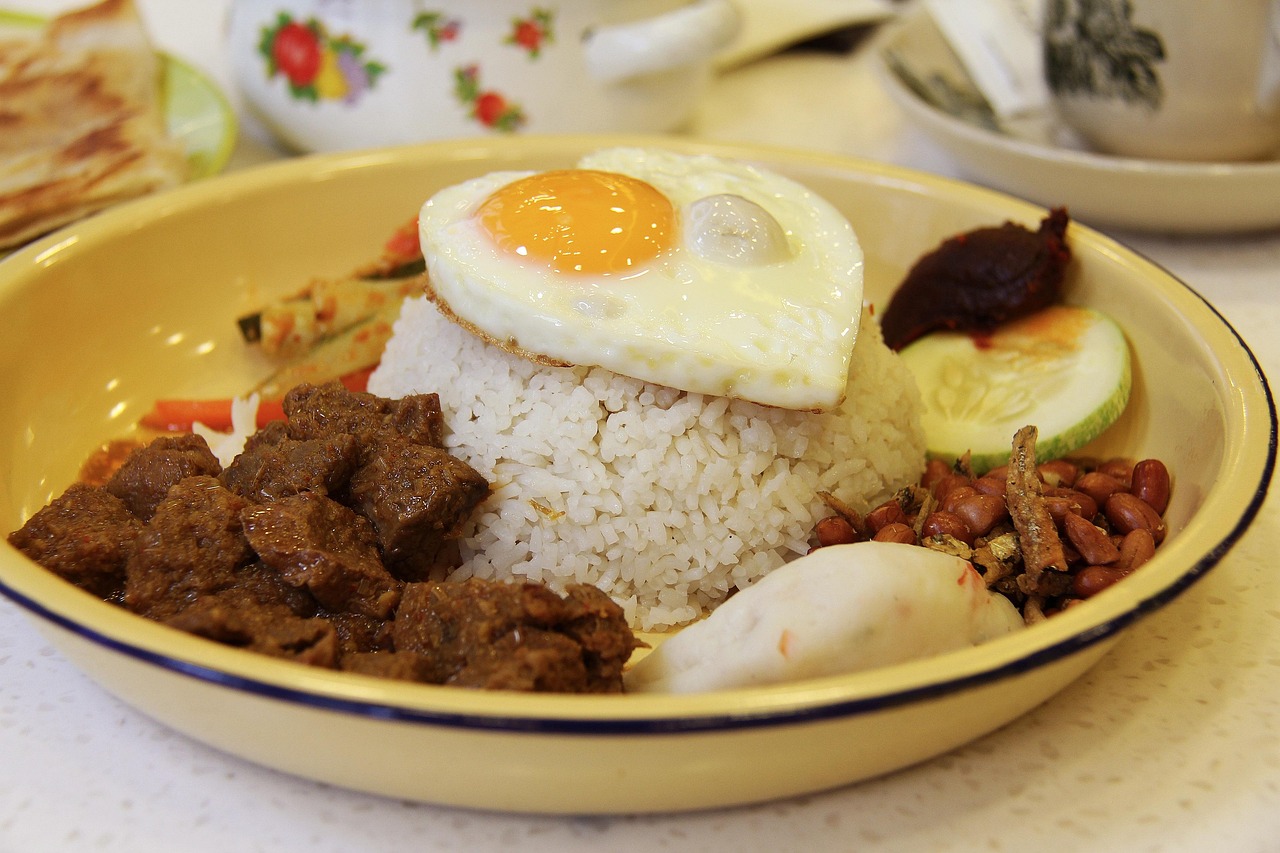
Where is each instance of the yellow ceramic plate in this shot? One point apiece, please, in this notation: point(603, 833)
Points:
point(102, 318)
point(196, 111)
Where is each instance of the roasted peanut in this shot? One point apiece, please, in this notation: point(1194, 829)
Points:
point(889, 512)
point(956, 495)
point(1060, 508)
point(1136, 548)
point(989, 485)
point(1000, 472)
point(1092, 580)
point(1098, 486)
point(1109, 515)
point(1118, 468)
point(1092, 542)
point(835, 530)
point(934, 470)
point(947, 483)
point(1128, 512)
point(980, 512)
point(896, 532)
point(946, 523)
point(1151, 483)
point(1058, 472)
point(1082, 503)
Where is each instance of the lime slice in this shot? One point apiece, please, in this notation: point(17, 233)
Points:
point(1065, 369)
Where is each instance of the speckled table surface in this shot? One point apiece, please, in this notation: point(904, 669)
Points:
point(1171, 743)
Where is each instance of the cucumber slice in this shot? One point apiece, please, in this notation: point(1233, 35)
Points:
point(1065, 369)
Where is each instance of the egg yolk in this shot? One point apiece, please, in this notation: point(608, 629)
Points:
point(580, 220)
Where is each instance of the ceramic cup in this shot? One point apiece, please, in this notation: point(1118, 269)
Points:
point(327, 75)
point(1167, 79)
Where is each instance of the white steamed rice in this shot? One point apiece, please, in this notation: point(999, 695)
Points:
point(664, 500)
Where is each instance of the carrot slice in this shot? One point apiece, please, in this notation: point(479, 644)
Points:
point(182, 415)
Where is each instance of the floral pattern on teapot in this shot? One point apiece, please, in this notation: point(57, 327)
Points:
point(439, 29)
point(533, 32)
point(487, 106)
point(315, 65)
point(318, 66)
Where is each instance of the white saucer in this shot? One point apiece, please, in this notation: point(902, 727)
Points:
point(1036, 159)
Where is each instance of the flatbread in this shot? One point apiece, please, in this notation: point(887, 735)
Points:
point(81, 121)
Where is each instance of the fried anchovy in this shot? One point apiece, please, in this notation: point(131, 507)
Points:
point(1037, 534)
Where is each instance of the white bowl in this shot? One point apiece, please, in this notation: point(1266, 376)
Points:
point(100, 319)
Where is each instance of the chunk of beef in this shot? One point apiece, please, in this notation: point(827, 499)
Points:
point(598, 625)
point(318, 411)
point(405, 666)
point(148, 473)
point(272, 432)
point(107, 459)
point(193, 546)
point(83, 536)
point(301, 547)
point(359, 634)
point(233, 618)
point(263, 585)
point(448, 621)
point(527, 659)
point(417, 498)
point(315, 542)
point(480, 633)
point(415, 493)
point(418, 418)
point(273, 466)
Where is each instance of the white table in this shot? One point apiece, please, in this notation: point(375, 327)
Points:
point(1171, 743)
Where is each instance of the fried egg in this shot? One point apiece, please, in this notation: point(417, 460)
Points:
point(696, 272)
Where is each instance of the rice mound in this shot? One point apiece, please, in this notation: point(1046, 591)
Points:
point(665, 500)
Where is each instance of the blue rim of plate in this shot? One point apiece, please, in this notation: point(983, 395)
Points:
point(197, 113)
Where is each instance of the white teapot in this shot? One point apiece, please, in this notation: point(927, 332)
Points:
point(327, 75)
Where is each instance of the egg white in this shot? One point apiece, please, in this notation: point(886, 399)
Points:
point(780, 333)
